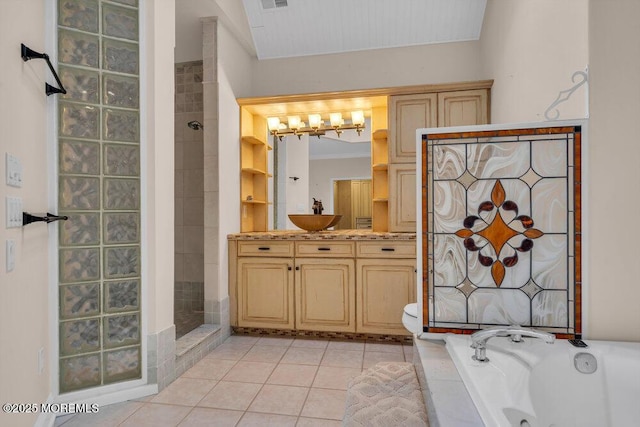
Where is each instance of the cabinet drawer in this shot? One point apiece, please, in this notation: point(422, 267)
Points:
point(265, 248)
point(386, 249)
point(325, 249)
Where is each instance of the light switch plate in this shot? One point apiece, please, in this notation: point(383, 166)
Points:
point(11, 255)
point(14, 170)
point(14, 211)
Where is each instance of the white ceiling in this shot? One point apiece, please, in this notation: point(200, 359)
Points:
point(313, 27)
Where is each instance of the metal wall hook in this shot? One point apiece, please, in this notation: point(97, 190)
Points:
point(27, 218)
point(27, 54)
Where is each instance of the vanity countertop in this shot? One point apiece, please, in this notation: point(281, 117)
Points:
point(321, 235)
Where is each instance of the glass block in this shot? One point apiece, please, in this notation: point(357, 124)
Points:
point(79, 265)
point(79, 14)
point(78, 121)
point(120, 125)
point(123, 295)
point(120, 365)
point(78, 48)
point(121, 194)
point(77, 193)
point(80, 229)
point(121, 227)
point(82, 85)
point(79, 336)
point(81, 300)
point(120, 91)
point(122, 262)
point(79, 157)
point(119, 22)
point(79, 372)
point(120, 56)
point(120, 331)
point(120, 159)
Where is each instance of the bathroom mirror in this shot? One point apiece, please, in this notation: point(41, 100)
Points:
point(335, 170)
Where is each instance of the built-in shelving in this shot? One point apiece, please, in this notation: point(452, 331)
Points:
point(379, 170)
point(254, 173)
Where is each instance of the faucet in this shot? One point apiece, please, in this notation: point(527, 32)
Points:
point(317, 206)
point(480, 338)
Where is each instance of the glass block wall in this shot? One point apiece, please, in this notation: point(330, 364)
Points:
point(502, 229)
point(99, 189)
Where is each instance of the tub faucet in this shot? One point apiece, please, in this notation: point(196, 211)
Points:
point(480, 338)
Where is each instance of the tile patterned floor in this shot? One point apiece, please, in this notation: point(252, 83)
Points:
point(251, 381)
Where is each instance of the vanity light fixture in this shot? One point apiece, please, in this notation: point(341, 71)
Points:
point(317, 126)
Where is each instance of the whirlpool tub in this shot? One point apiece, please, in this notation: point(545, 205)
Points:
point(543, 385)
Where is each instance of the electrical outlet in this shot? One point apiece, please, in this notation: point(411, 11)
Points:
point(14, 170)
point(11, 255)
point(14, 211)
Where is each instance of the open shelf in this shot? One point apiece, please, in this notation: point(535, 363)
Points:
point(254, 171)
point(380, 166)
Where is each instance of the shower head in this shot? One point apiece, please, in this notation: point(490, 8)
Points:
point(195, 125)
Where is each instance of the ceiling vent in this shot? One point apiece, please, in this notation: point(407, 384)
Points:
point(273, 4)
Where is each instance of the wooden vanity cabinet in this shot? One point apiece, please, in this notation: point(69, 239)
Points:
point(385, 283)
point(333, 286)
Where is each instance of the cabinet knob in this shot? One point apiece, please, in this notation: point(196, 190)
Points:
point(297, 268)
point(289, 267)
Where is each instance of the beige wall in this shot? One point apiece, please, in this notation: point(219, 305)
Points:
point(24, 292)
point(613, 304)
point(531, 48)
point(437, 63)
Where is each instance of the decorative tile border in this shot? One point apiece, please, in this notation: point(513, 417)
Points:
point(343, 336)
point(321, 235)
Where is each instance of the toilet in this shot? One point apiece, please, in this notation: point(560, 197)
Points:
point(410, 318)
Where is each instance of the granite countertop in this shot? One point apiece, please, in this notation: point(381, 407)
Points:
point(321, 235)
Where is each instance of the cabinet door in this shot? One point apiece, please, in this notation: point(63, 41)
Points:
point(463, 108)
point(384, 287)
point(406, 114)
point(325, 294)
point(402, 197)
point(265, 292)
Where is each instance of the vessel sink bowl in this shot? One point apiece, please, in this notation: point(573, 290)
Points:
point(311, 222)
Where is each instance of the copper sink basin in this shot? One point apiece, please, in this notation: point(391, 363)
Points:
point(311, 222)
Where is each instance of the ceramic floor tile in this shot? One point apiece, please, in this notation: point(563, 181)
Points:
point(383, 347)
point(373, 357)
point(279, 399)
point(210, 368)
point(230, 395)
point(229, 351)
point(206, 417)
point(317, 422)
point(303, 356)
point(252, 419)
point(322, 403)
point(241, 339)
point(335, 378)
point(346, 345)
point(276, 341)
point(342, 358)
point(184, 391)
point(250, 372)
point(156, 415)
point(108, 416)
point(309, 343)
point(265, 353)
point(298, 375)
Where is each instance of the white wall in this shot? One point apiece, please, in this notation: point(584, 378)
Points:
point(24, 292)
point(322, 173)
point(531, 48)
point(297, 164)
point(158, 162)
point(613, 173)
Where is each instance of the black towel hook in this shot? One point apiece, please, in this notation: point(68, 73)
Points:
point(28, 54)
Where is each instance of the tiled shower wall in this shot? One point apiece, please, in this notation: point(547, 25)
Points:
point(99, 189)
point(189, 199)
